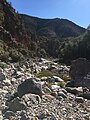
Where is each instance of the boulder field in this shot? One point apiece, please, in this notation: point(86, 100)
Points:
point(24, 96)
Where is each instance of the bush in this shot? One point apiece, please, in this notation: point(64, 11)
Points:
point(16, 56)
point(61, 84)
point(24, 51)
point(3, 65)
point(4, 56)
point(42, 53)
point(47, 74)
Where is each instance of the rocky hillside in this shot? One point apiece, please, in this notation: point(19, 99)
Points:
point(12, 30)
point(48, 34)
point(54, 28)
point(11, 22)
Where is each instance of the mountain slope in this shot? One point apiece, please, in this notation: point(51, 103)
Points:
point(13, 36)
point(48, 34)
point(59, 28)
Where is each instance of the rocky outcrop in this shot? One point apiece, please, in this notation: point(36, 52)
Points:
point(12, 22)
point(12, 30)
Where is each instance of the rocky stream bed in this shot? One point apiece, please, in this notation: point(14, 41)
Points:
point(26, 94)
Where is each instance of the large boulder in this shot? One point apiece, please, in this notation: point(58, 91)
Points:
point(16, 105)
point(2, 76)
point(79, 68)
point(80, 72)
point(30, 86)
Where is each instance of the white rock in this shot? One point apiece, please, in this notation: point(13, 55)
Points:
point(57, 79)
point(7, 82)
point(3, 91)
point(79, 99)
point(62, 94)
point(55, 87)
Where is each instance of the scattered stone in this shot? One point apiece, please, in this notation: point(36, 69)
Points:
point(31, 98)
point(8, 114)
point(55, 94)
point(1, 116)
point(48, 97)
point(75, 90)
point(59, 98)
point(55, 87)
point(47, 89)
point(79, 99)
point(64, 91)
point(70, 84)
point(62, 94)
point(58, 79)
point(7, 82)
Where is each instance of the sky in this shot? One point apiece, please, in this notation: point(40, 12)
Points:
point(77, 11)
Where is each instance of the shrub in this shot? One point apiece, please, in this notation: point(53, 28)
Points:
point(3, 65)
point(4, 56)
point(47, 74)
point(24, 51)
point(61, 84)
point(16, 56)
point(42, 53)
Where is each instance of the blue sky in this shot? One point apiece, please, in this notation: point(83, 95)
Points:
point(77, 11)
